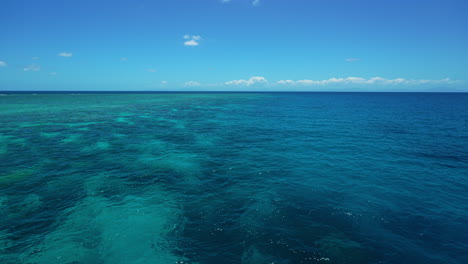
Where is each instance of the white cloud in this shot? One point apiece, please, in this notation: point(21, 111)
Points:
point(192, 84)
point(254, 2)
point(285, 82)
point(152, 70)
point(53, 73)
point(164, 82)
point(191, 43)
point(123, 59)
point(356, 80)
point(192, 40)
point(249, 82)
point(32, 67)
point(65, 54)
point(3, 64)
point(352, 59)
point(35, 58)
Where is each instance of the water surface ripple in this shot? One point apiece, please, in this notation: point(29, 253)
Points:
point(234, 178)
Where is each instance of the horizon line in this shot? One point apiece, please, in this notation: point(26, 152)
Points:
point(204, 91)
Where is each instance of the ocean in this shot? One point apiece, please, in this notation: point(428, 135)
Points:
point(251, 178)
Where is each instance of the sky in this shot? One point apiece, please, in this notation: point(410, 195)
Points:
point(234, 45)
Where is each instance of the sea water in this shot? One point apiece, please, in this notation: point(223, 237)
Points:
point(245, 178)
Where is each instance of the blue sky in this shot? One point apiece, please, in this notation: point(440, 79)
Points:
point(324, 45)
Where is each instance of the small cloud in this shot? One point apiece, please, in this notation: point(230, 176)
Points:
point(192, 40)
point(3, 64)
point(152, 70)
point(124, 59)
point(192, 84)
point(191, 43)
point(164, 82)
point(249, 82)
point(32, 67)
point(352, 59)
point(35, 58)
point(53, 73)
point(254, 2)
point(65, 54)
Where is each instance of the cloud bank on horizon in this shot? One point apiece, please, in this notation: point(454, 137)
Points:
point(259, 81)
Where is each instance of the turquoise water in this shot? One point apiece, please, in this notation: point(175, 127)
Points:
point(234, 178)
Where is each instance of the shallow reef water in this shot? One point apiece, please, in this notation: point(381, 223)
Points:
point(250, 178)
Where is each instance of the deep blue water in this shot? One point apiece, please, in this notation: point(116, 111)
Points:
point(234, 178)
